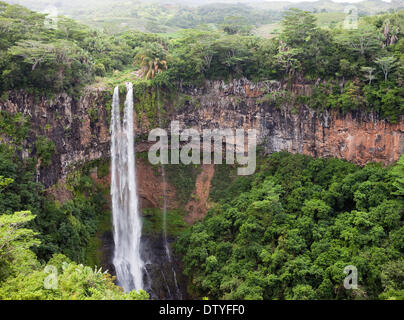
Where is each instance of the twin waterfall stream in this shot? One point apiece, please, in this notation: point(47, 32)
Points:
point(125, 208)
point(131, 259)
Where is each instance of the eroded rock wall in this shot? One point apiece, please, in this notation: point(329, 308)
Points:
point(80, 129)
point(78, 137)
point(360, 137)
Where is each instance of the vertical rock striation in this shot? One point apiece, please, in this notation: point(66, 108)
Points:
point(80, 129)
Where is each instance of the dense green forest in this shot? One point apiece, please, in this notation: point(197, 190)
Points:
point(347, 69)
point(38, 235)
point(288, 232)
point(285, 233)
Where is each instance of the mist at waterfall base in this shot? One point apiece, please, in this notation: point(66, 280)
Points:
point(140, 261)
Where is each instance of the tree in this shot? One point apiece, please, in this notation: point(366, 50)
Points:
point(236, 25)
point(316, 209)
point(397, 172)
point(390, 33)
point(15, 241)
point(258, 242)
point(287, 59)
point(316, 49)
point(22, 277)
point(386, 64)
point(66, 280)
point(298, 27)
point(57, 65)
point(4, 182)
point(34, 52)
point(303, 292)
point(191, 55)
point(392, 279)
point(365, 39)
point(368, 73)
point(345, 70)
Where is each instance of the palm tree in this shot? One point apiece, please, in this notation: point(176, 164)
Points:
point(151, 60)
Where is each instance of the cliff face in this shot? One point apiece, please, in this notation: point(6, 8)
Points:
point(68, 124)
point(359, 137)
point(80, 129)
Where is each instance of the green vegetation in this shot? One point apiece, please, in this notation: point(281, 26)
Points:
point(23, 277)
point(183, 178)
point(290, 232)
point(14, 126)
point(44, 247)
point(225, 185)
point(94, 252)
point(151, 60)
point(285, 233)
point(346, 69)
point(153, 222)
point(63, 228)
point(44, 150)
point(45, 60)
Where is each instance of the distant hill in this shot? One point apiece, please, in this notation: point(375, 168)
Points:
point(367, 7)
point(170, 15)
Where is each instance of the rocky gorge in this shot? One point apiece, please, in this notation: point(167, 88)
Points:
point(79, 129)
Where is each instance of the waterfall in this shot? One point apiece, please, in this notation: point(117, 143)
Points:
point(125, 211)
point(166, 247)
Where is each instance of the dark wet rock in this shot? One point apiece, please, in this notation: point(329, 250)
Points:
point(107, 248)
point(159, 278)
point(163, 277)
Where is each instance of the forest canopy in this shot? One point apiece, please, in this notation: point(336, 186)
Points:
point(289, 232)
point(45, 247)
point(347, 69)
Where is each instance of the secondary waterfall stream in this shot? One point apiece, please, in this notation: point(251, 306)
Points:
point(177, 293)
point(125, 208)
